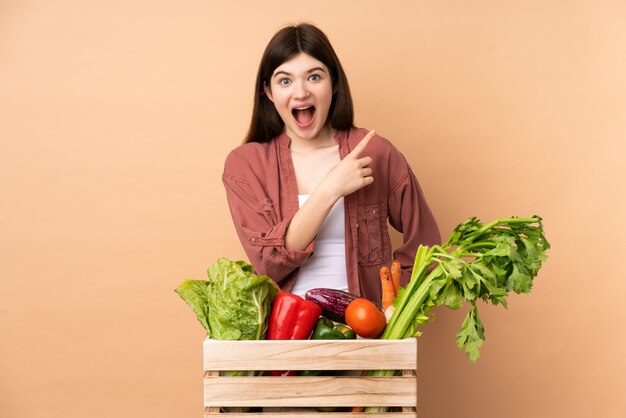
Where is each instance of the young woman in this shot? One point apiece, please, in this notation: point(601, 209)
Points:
point(309, 193)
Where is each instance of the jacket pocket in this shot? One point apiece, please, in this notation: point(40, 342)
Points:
point(372, 235)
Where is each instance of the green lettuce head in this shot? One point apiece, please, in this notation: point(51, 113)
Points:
point(234, 304)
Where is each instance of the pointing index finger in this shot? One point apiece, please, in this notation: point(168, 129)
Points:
point(360, 147)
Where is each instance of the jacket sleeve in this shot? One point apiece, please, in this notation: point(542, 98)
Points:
point(409, 213)
point(261, 233)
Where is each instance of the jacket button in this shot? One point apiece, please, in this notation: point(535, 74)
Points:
point(374, 211)
point(357, 226)
point(253, 239)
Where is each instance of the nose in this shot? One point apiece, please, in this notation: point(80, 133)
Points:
point(301, 90)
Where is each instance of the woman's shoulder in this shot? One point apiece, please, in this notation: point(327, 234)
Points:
point(247, 155)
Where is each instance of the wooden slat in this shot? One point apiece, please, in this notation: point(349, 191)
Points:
point(409, 374)
point(360, 354)
point(212, 410)
point(299, 391)
point(311, 414)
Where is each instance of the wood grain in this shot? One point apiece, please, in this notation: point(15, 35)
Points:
point(311, 355)
point(299, 391)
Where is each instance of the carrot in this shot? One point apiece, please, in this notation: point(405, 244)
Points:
point(396, 269)
point(388, 292)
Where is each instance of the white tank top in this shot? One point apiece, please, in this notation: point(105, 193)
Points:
point(326, 267)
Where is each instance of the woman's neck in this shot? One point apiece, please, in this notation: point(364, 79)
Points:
point(324, 139)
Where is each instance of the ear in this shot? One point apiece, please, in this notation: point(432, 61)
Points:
point(268, 92)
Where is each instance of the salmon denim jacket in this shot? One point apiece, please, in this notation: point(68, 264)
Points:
point(263, 198)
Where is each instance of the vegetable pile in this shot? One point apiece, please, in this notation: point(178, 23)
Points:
point(477, 262)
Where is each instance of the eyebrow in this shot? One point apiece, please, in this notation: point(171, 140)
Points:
point(308, 72)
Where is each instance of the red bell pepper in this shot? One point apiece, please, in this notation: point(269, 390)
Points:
point(292, 318)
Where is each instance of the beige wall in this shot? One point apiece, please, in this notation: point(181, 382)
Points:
point(115, 118)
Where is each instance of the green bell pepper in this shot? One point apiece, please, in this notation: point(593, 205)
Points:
point(325, 329)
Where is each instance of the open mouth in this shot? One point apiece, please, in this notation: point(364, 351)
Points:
point(303, 115)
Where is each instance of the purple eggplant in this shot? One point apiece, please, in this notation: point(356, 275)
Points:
point(332, 301)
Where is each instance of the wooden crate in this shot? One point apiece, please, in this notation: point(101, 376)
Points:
point(399, 391)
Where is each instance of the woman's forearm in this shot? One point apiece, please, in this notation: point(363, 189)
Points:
point(307, 221)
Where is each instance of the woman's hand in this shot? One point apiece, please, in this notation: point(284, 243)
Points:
point(351, 174)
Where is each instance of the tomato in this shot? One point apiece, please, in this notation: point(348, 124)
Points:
point(365, 318)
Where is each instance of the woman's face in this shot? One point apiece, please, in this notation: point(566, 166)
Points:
point(301, 90)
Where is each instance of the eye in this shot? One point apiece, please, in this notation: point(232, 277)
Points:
point(284, 81)
point(315, 77)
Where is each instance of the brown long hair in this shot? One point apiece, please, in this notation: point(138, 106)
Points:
point(285, 44)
